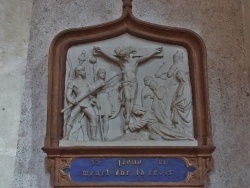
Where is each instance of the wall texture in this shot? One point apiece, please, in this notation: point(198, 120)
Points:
point(219, 23)
point(14, 38)
point(247, 30)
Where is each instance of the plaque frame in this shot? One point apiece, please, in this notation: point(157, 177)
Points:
point(198, 156)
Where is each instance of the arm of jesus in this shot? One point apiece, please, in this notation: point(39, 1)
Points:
point(99, 51)
point(149, 56)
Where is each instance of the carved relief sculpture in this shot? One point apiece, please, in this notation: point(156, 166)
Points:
point(95, 109)
point(126, 59)
point(128, 94)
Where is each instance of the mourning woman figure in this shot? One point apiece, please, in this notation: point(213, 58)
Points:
point(181, 107)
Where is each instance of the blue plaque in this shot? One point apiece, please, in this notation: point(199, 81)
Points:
point(87, 170)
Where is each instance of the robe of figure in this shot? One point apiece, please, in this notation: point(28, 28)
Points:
point(146, 101)
point(160, 105)
point(104, 101)
point(181, 107)
point(156, 129)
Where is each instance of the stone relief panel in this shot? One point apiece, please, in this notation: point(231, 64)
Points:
point(127, 91)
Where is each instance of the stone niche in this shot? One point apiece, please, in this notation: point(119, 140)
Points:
point(128, 104)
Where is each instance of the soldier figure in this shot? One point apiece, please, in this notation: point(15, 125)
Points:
point(76, 88)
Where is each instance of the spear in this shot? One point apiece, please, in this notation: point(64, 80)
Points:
point(93, 61)
point(70, 66)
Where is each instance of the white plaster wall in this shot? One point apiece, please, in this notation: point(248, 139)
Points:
point(14, 38)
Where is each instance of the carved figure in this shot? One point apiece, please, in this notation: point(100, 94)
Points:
point(105, 108)
point(128, 63)
point(146, 92)
point(82, 58)
point(159, 105)
point(162, 71)
point(177, 64)
point(181, 106)
point(157, 131)
point(78, 87)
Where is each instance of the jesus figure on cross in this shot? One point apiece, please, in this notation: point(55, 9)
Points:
point(128, 62)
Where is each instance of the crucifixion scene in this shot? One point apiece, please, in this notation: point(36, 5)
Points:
point(127, 92)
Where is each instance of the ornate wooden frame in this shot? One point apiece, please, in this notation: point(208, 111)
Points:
point(199, 156)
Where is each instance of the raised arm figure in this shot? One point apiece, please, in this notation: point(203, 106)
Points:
point(178, 62)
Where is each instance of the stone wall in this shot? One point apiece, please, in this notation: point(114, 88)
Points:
point(247, 29)
point(219, 23)
point(14, 37)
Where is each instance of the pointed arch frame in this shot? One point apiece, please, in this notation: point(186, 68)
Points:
point(127, 23)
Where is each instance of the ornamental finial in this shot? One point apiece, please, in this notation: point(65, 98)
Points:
point(127, 4)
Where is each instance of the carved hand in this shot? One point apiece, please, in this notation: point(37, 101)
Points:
point(132, 127)
point(73, 101)
point(164, 77)
point(158, 50)
point(97, 104)
point(97, 49)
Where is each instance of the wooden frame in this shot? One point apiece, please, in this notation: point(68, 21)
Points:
point(199, 156)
